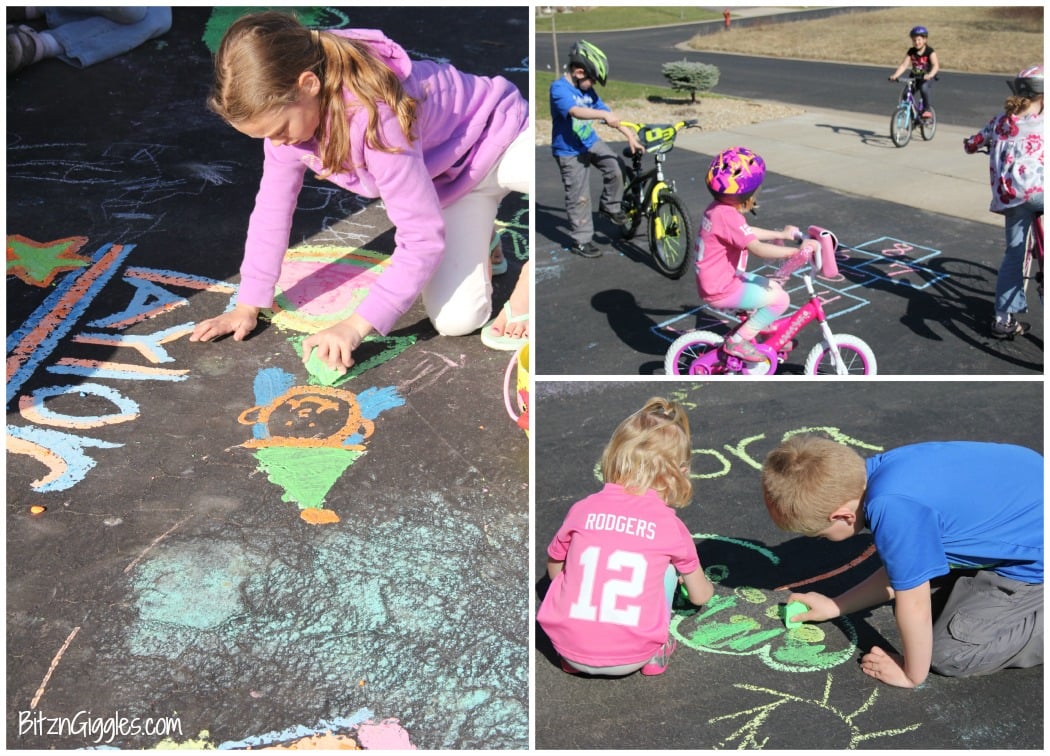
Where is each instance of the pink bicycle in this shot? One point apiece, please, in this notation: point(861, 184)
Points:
point(701, 352)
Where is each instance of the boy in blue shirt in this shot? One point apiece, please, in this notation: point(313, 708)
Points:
point(930, 507)
point(576, 145)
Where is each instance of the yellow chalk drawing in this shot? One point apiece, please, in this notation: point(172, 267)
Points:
point(752, 735)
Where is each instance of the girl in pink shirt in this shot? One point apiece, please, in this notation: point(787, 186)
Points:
point(441, 148)
point(723, 245)
point(615, 561)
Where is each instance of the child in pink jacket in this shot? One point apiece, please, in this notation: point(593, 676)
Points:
point(441, 148)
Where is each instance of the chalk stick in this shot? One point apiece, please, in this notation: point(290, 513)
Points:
point(789, 611)
point(325, 375)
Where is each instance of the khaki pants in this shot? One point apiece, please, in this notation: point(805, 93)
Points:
point(988, 623)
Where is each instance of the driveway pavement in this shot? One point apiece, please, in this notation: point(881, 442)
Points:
point(919, 248)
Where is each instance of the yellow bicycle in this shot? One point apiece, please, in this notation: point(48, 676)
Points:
point(648, 194)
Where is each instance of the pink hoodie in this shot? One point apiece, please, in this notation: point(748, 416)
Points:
point(464, 125)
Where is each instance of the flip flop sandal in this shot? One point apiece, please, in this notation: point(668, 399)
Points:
point(502, 342)
point(498, 268)
point(23, 48)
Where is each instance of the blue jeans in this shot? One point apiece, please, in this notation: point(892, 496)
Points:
point(89, 35)
point(1009, 295)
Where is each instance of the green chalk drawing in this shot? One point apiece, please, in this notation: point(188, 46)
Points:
point(757, 732)
point(747, 622)
point(306, 475)
point(221, 18)
point(321, 374)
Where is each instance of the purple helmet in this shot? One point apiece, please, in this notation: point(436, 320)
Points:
point(735, 172)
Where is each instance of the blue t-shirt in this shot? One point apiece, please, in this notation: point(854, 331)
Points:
point(572, 136)
point(934, 506)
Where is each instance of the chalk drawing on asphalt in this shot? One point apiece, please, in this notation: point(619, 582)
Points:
point(745, 621)
point(884, 261)
point(769, 724)
point(37, 263)
point(305, 437)
point(358, 731)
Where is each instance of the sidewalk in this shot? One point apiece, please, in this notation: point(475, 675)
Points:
point(852, 152)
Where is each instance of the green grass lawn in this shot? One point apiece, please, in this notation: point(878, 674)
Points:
point(606, 19)
point(614, 92)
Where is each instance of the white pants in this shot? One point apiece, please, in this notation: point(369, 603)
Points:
point(458, 298)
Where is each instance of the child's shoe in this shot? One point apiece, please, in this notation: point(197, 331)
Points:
point(568, 668)
point(588, 249)
point(741, 348)
point(658, 664)
point(1008, 327)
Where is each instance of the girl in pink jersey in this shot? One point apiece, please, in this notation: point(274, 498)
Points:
point(723, 245)
point(438, 146)
point(616, 560)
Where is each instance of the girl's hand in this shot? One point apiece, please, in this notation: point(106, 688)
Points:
point(790, 232)
point(335, 345)
point(821, 608)
point(812, 245)
point(886, 667)
point(240, 321)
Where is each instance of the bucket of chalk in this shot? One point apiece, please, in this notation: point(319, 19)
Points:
point(517, 399)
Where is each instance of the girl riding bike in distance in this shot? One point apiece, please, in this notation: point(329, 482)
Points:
point(922, 60)
point(723, 245)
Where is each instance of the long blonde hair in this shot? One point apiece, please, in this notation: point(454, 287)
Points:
point(651, 450)
point(261, 58)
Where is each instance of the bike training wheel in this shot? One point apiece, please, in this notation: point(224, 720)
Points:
point(694, 353)
point(670, 235)
point(900, 126)
point(857, 357)
point(631, 207)
point(928, 127)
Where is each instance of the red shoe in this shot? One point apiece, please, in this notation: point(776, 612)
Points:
point(568, 668)
point(658, 664)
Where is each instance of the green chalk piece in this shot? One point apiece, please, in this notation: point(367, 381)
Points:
point(789, 611)
point(685, 593)
point(325, 375)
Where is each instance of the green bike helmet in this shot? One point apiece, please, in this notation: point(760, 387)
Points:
point(591, 59)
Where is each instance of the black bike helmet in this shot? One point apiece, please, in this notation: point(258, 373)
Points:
point(591, 59)
point(1028, 83)
point(919, 31)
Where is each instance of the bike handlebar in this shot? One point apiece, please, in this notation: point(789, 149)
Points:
point(687, 124)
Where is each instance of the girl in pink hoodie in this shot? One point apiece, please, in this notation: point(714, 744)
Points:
point(441, 148)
